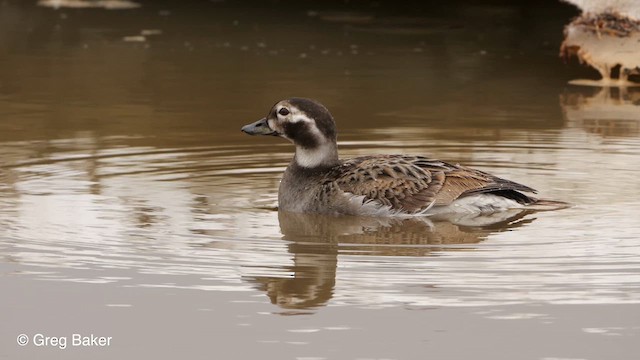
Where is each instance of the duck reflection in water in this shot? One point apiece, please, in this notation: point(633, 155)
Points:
point(315, 241)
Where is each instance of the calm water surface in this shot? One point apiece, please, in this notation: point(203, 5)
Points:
point(131, 205)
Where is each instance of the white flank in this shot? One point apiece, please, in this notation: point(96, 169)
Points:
point(470, 205)
point(478, 204)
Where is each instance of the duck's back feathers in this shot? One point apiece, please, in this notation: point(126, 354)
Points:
point(415, 184)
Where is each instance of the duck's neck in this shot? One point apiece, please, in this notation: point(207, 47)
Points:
point(321, 156)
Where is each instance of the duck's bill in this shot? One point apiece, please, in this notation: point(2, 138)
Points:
point(260, 127)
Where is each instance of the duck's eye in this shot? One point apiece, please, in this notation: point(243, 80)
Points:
point(283, 112)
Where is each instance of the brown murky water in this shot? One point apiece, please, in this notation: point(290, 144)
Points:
point(131, 205)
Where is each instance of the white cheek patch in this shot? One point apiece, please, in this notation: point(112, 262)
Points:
point(301, 117)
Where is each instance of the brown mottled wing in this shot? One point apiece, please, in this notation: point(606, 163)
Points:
point(394, 181)
point(415, 183)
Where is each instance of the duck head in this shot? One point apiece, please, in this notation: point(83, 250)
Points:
point(307, 124)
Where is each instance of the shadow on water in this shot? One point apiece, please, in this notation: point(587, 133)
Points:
point(316, 241)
